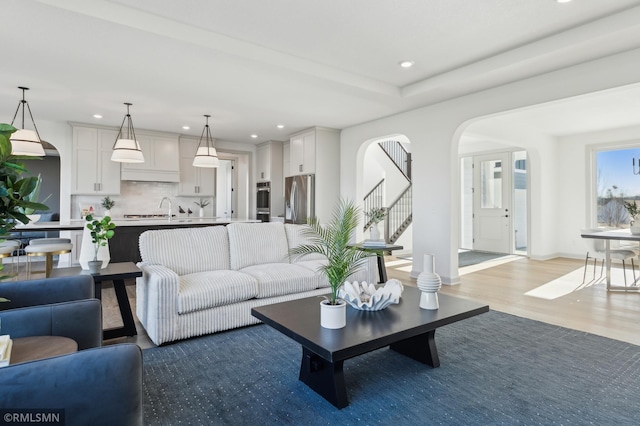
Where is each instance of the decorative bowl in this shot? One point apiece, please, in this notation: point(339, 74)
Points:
point(368, 297)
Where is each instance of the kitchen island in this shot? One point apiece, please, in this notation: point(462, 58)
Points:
point(123, 247)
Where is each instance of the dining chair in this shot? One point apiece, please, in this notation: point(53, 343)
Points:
point(596, 250)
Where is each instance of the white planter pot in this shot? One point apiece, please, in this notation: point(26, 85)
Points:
point(375, 232)
point(635, 228)
point(201, 212)
point(87, 251)
point(333, 316)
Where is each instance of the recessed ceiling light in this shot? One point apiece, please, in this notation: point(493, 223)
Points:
point(563, 1)
point(186, 127)
point(406, 64)
point(280, 126)
point(97, 116)
point(254, 136)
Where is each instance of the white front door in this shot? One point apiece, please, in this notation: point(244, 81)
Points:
point(492, 203)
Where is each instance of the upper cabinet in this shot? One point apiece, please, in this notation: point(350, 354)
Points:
point(269, 161)
point(198, 181)
point(93, 172)
point(302, 153)
point(317, 151)
point(161, 159)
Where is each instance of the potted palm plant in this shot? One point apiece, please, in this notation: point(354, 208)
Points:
point(101, 231)
point(343, 258)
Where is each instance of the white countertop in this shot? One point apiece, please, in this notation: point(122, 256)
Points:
point(120, 222)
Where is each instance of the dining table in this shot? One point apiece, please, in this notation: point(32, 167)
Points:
point(614, 235)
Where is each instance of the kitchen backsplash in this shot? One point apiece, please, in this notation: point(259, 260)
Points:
point(142, 198)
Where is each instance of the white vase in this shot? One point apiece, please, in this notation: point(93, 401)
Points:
point(333, 316)
point(87, 251)
point(375, 232)
point(429, 283)
point(635, 228)
point(107, 213)
point(201, 212)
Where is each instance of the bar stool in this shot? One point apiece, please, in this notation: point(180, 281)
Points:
point(7, 248)
point(47, 247)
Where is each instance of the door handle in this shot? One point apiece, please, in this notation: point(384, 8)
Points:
point(506, 215)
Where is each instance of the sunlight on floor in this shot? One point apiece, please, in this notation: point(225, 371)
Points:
point(572, 282)
point(488, 264)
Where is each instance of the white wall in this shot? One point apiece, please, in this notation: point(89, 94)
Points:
point(435, 131)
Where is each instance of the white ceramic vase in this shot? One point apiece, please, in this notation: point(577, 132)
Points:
point(375, 232)
point(333, 316)
point(429, 283)
point(201, 212)
point(635, 227)
point(87, 251)
point(107, 213)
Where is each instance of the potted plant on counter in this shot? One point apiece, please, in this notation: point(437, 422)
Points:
point(107, 204)
point(202, 204)
point(101, 232)
point(344, 259)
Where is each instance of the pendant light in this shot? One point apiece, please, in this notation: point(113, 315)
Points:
point(206, 155)
point(126, 149)
point(23, 141)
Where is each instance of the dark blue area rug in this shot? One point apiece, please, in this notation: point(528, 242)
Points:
point(495, 369)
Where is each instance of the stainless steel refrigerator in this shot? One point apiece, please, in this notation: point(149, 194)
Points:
point(299, 198)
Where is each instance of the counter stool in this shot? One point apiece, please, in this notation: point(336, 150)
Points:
point(47, 247)
point(7, 248)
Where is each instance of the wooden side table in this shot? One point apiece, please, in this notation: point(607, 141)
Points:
point(39, 347)
point(387, 248)
point(116, 273)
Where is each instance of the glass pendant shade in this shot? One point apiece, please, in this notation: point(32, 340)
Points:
point(24, 141)
point(126, 149)
point(206, 154)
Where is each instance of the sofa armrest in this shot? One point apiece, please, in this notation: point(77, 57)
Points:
point(157, 301)
point(80, 320)
point(96, 386)
point(46, 291)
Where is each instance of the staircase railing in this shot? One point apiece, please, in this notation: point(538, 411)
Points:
point(399, 156)
point(373, 199)
point(399, 216)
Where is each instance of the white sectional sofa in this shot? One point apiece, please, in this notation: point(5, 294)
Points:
point(202, 280)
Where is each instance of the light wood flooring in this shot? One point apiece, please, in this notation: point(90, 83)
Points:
point(556, 296)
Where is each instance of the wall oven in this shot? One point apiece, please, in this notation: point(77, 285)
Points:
point(263, 201)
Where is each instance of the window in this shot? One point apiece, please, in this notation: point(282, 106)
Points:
point(616, 184)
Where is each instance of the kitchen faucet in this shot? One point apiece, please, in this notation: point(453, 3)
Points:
point(160, 205)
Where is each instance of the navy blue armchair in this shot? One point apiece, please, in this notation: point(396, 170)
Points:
point(97, 385)
point(101, 386)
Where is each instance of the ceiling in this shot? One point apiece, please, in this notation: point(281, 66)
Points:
point(254, 64)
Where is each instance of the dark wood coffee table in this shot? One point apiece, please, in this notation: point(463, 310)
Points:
point(116, 273)
point(404, 327)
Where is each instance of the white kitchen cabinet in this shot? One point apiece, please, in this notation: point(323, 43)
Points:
point(93, 172)
point(161, 160)
point(198, 181)
point(269, 161)
point(302, 153)
point(317, 151)
point(269, 168)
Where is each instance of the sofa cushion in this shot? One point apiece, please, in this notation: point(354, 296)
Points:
point(275, 279)
point(256, 244)
point(187, 250)
point(205, 290)
point(314, 266)
point(298, 235)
